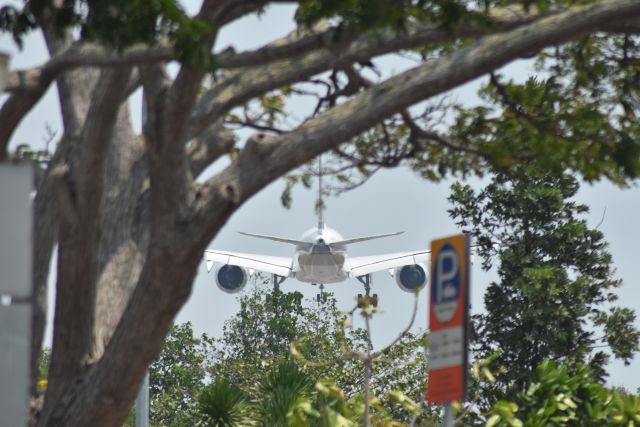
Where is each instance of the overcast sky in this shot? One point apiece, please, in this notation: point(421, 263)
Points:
point(395, 200)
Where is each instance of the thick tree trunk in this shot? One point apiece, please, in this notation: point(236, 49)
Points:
point(102, 241)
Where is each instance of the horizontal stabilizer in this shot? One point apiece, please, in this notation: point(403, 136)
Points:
point(270, 264)
point(364, 239)
point(277, 239)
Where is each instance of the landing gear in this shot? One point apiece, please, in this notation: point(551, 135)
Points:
point(277, 281)
point(366, 281)
point(322, 296)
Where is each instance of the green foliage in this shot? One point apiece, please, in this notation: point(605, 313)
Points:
point(555, 279)
point(138, 21)
point(582, 115)
point(178, 375)
point(255, 381)
point(283, 325)
point(562, 396)
point(287, 395)
point(279, 390)
point(224, 405)
point(376, 14)
point(276, 320)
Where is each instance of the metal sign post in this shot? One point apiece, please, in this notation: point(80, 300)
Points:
point(15, 292)
point(447, 420)
point(448, 319)
point(142, 403)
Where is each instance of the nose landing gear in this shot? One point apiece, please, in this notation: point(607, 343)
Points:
point(322, 296)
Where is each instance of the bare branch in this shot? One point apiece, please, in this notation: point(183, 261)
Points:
point(242, 85)
point(418, 133)
point(12, 112)
point(296, 43)
point(185, 89)
point(84, 54)
point(252, 124)
point(45, 234)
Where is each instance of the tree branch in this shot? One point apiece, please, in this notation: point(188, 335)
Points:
point(242, 85)
point(86, 54)
point(12, 112)
point(274, 157)
point(185, 89)
point(418, 132)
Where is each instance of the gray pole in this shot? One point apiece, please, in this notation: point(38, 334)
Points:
point(142, 403)
point(448, 416)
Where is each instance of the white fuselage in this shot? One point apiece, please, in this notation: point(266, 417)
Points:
point(320, 261)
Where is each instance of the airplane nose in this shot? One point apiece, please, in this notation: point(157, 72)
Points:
point(321, 241)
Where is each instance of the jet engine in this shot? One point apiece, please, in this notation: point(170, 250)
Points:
point(231, 278)
point(410, 277)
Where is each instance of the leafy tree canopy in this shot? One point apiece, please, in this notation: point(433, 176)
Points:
point(177, 376)
point(555, 286)
point(251, 377)
point(320, 338)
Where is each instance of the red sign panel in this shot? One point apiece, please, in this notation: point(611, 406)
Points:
point(448, 319)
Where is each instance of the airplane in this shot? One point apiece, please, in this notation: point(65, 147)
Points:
point(320, 258)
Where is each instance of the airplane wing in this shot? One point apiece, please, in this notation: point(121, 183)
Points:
point(270, 264)
point(359, 266)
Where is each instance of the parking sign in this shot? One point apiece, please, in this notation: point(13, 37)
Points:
point(448, 319)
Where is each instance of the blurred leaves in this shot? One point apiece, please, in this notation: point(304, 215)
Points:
point(562, 396)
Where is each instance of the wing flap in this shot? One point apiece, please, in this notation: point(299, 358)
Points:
point(270, 264)
point(359, 266)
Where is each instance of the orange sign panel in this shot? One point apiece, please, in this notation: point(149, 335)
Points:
point(448, 319)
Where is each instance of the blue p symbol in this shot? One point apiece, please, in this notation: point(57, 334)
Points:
point(446, 275)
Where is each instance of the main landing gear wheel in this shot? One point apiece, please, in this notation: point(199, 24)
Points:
point(366, 281)
point(373, 299)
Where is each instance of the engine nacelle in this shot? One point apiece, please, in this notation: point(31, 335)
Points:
point(231, 278)
point(410, 277)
